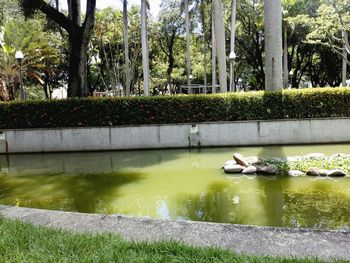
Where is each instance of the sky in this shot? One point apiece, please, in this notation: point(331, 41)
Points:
point(154, 4)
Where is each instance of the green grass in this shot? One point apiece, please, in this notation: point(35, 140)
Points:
point(341, 163)
point(21, 242)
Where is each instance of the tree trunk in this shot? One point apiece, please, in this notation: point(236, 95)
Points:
point(233, 37)
point(205, 50)
point(77, 66)
point(126, 49)
point(285, 60)
point(79, 37)
point(273, 45)
point(145, 58)
point(221, 44)
point(188, 47)
point(344, 62)
point(213, 50)
point(171, 62)
point(344, 68)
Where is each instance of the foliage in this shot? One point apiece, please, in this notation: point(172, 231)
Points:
point(9, 10)
point(40, 56)
point(289, 104)
point(312, 60)
point(304, 164)
point(329, 25)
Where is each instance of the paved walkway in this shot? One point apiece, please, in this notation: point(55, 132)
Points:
point(241, 239)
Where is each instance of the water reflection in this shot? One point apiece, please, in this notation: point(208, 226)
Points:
point(176, 184)
point(214, 205)
point(267, 202)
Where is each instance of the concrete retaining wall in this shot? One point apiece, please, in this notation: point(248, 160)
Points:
point(275, 132)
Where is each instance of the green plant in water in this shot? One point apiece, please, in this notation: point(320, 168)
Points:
point(341, 163)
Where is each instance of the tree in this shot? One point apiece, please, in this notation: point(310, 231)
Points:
point(213, 50)
point(221, 43)
point(273, 45)
point(9, 10)
point(287, 6)
point(105, 47)
point(145, 52)
point(205, 49)
point(126, 48)
point(232, 45)
point(188, 46)
point(40, 56)
point(249, 44)
point(171, 26)
point(331, 27)
point(78, 36)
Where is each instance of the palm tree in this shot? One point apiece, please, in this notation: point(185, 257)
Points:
point(126, 48)
point(232, 53)
point(144, 42)
point(213, 49)
point(273, 45)
point(221, 45)
point(205, 50)
point(188, 46)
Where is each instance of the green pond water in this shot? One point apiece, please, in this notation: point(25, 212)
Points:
point(177, 184)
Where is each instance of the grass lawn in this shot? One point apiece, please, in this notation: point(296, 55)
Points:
point(21, 242)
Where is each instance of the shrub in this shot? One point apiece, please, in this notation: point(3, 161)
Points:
point(90, 112)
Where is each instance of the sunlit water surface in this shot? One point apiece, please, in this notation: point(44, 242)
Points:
point(177, 184)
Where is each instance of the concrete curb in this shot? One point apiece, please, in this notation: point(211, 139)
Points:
point(214, 134)
point(242, 239)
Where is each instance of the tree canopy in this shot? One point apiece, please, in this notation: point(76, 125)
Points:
point(87, 51)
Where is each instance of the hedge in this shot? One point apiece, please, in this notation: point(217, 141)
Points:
point(94, 112)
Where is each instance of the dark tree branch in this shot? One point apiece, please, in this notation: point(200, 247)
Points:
point(55, 15)
point(90, 17)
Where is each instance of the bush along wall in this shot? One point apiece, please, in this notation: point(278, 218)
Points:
point(95, 112)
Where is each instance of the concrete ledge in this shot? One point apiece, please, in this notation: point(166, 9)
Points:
point(242, 239)
point(241, 133)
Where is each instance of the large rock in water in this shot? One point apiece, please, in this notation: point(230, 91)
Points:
point(232, 162)
point(233, 168)
point(254, 160)
point(295, 173)
point(240, 159)
point(336, 173)
point(317, 172)
point(250, 170)
point(269, 169)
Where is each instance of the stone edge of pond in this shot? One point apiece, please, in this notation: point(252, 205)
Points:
point(249, 240)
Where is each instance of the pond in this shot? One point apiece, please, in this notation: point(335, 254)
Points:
point(178, 184)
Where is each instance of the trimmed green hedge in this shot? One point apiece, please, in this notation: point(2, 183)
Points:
point(309, 103)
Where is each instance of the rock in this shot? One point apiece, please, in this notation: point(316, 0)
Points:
point(317, 172)
point(314, 156)
point(240, 159)
point(339, 155)
point(278, 159)
point(250, 170)
point(233, 168)
point(254, 160)
point(231, 162)
point(269, 169)
point(295, 173)
point(335, 173)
